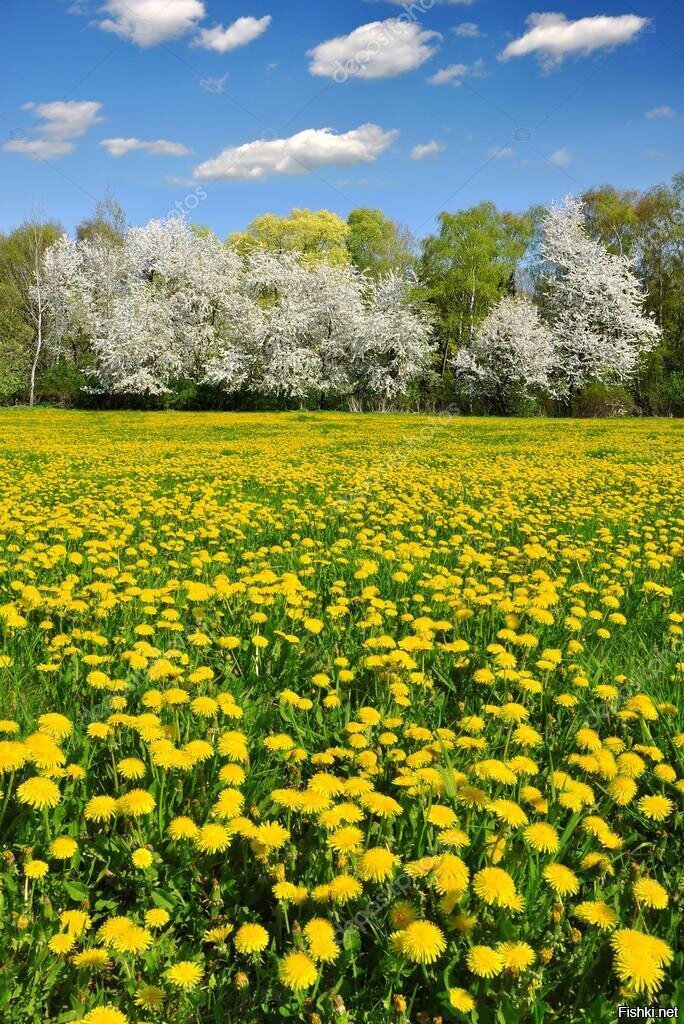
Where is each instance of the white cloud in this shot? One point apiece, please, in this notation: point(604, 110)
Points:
point(148, 22)
point(241, 32)
point(500, 152)
point(660, 112)
point(455, 73)
point(157, 147)
point(39, 149)
point(62, 121)
point(425, 149)
point(66, 119)
point(552, 36)
point(297, 154)
point(560, 158)
point(216, 85)
point(468, 29)
point(380, 49)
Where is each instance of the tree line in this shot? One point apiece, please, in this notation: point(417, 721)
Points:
point(577, 308)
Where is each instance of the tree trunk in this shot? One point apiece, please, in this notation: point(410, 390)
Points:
point(39, 343)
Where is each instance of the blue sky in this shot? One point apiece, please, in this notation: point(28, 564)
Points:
point(231, 109)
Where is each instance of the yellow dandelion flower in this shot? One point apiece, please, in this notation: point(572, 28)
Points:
point(251, 938)
point(298, 971)
point(484, 961)
point(422, 942)
point(185, 975)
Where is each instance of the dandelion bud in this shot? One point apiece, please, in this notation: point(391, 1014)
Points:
point(546, 955)
point(575, 935)
point(241, 981)
point(399, 1004)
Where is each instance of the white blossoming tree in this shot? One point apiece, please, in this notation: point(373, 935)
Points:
point(396, 348)
point(512, 355)
point(593, 303)
point(169, 304)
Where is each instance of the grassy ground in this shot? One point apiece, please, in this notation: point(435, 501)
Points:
point(336, 718)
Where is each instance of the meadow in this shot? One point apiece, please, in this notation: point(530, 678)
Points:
point(339, 719)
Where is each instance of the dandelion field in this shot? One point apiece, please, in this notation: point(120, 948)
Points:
point(342, 719)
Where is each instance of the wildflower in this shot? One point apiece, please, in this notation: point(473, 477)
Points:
point(157, 917)
point(183, 828)
point(212, 839)
point(104, 1015)
point(38, 793)
point(149, 997)
point(251, 938)
point(516, 956)
point(650, 893)
point(142, 858)
point(657, 808)
point(320, 937)
point(63, 848)
point(496, 887)
point(422, 942)
point(136, 803)
point(344, 888)
point(298, 971)
point(542, 837)
point(461, 1000)
point(484, 961)
point(377, 864)
point(132, 768)
point(186, 975)
point(596, 913)
point(218, 934)
point(62, 943)
point(35, 869)
point(91, 959)
point(562, 880)
point(100, 808)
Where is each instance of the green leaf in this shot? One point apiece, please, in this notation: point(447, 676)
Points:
point(77, 891)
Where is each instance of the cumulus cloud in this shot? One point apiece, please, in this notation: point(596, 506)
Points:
point(426, 149)
point(560, 158)
point(241, 32)
point(468, 29)
point(297, 154)
point(380, 49)
point(149, 22)
point(500, 152)
point(157, 147)
point(62, 121)
point(552, 37)
point(455, 73)
point(660, 112)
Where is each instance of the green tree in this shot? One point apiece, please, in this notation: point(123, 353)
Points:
point(107, 224)
point(317, 234)
point(611, 218)
point(378, 244)
point(22, 306)
point(468, 266)
point(649, 228)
